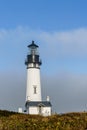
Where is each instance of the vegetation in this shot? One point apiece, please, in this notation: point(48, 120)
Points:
point(68, 121)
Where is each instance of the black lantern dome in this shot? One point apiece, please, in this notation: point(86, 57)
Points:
point(33, 56)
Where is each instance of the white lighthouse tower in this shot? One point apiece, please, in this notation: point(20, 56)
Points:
point(34, 103)
point(33, 63)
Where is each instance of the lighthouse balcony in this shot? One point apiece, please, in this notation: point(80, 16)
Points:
point(34, 60)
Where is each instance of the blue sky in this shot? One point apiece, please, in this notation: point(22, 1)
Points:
point(59, 27)
point(41, 14)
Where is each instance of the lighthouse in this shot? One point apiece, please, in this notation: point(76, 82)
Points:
point(33, 92)
point(34, 103)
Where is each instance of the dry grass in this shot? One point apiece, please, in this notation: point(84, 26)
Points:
point(68, 121)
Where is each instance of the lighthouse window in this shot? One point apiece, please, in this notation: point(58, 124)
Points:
point(35, 89)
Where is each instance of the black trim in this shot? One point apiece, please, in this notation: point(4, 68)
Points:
point(33, 67)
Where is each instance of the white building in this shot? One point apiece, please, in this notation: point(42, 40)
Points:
point(34, 103)
point(37, 107)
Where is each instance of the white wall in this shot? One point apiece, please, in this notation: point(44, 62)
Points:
point(33, 79)
point(46, 111)
point(33, 110)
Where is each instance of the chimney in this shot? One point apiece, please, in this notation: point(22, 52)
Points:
point(48, 98)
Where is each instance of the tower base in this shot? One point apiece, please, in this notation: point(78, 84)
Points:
point(38, 108)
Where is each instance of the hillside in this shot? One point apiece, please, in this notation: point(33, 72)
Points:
point(16, 121)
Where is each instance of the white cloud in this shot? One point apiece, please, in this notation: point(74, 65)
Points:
point(72, 42)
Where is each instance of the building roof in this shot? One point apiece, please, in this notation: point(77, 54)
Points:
point(38, 103)
point(33, 45)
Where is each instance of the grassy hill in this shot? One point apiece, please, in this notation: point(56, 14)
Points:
point(16, 121)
